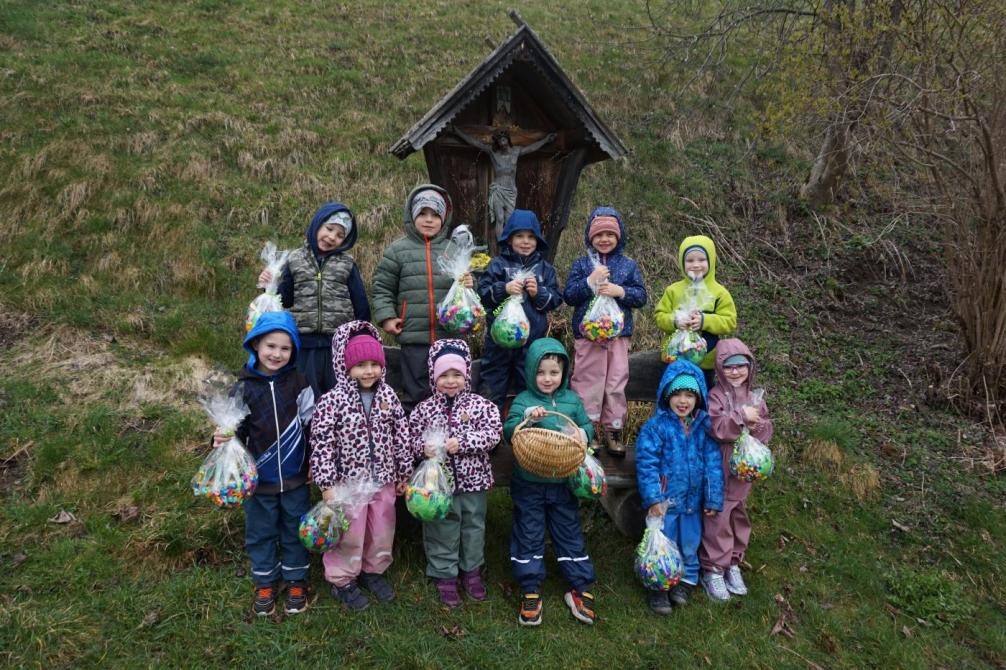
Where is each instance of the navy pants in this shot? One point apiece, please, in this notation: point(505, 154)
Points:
point(537, 507)
point(315, 363)
point(415, 374)
point(271, 524)
point(685, 530)
point(498, 369)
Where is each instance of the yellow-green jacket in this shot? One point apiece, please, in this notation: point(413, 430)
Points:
point(719, 315)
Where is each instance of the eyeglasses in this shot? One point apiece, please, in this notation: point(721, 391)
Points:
point(734, 368)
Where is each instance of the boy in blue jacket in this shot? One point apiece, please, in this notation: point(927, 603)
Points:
point(280, 401)
point(678, 471)
point(521, 248)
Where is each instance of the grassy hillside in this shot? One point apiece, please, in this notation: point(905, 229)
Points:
point(148, 150)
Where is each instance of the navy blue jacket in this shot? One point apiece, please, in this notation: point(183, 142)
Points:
point(492, 283)
point(623, 271)
point(357, 289)
point(283, 401)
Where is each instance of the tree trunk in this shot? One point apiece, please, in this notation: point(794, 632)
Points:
point(830, 167)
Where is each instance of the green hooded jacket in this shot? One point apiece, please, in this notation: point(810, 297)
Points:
point(563, 400)
point(408, 277)
point(719, 315)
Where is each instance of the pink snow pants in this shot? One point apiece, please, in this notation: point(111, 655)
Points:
point(366, 546)
point(600, 373)
point(725, 536)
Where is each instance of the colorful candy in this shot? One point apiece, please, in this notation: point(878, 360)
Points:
point(658, 562)
point(427, 504)
point(751, 461)
point(461, 311)
point(227, 477)
point(323, 526)
point(589, 481)
point(603, 320)
point(686, 344)
point(428, 496)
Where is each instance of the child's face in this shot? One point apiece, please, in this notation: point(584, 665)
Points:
point(368, 373)
point(272, 352)
point(549, 376)
point(330, 237)
point(604, 242)
point(682, 403)
point(428, 223)
point(523, 242)
point(451, 383)
point(736, 374)
point(696, 264)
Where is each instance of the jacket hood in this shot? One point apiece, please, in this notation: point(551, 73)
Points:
point(267, 323)
point(538, 350)
point(732, 347)
point(523, 219)
point(410, 225)
point(705, 243)
point(459, 347)
point(605, 211)
point(325, 211)
point(673, 369)
point(340, 338)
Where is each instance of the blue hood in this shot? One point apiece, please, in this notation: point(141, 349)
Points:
point(673, 369)
point(267, 323)
point(605, 211)
point(523, 219)
point(325, 211)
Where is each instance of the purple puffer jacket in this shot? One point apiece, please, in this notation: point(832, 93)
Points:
point(472, 419)
point(346, 446)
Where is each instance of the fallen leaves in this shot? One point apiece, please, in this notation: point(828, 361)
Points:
point(63, 517)
point(455, 632)
point(786, 617)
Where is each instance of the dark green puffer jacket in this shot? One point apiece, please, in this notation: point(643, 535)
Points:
point(408, 275)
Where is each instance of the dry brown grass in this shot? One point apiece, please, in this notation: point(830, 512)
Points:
point(823, 455)
point(863, 480)
point(44, 267)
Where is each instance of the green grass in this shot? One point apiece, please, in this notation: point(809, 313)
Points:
point(148, 150)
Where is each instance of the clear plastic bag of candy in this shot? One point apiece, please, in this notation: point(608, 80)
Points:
point(658, 562)
point(604, 319)
point(751, 460)
point(588, 482)
point(228, 476)
point(323, 526)
point(511, 328)
point(429, 493)
point(269, 300)
point(683, 342)
point(460, 311)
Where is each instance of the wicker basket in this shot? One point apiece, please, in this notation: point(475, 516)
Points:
point(547, 453)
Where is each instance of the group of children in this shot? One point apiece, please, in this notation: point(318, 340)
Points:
point(322, 412)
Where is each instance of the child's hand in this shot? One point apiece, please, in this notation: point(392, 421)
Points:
point(535, 412)
point(467, 280)
point(598, 276)
point(265, 277)
point(328, 495)
point(220, 438)
point(611, 290)
point(429, 451)
point(657, 509)
point(695, 322)
point(532, 286)
point(393, 326)
point(710, 512)
point(453, 445)
point(751, 416)
point(515, 287)
point(400, 488)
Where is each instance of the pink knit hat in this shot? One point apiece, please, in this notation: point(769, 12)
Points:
point(447, 362)
point(362, 348)
point(604, 224)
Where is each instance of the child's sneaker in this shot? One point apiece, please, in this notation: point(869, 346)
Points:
point(716, 588)
point(735, 582)
point(378, 585)
point(296, 597)
point(471, 582)
point(679, 594)
point(447, 587)
point(658, 602)
point(615, 445)
point(265, 600)
point(351, 596)
point(581, 604)
point(530, 609)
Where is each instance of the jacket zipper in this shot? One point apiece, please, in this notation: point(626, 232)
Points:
point(370, 434)
point(429, 288)
point(320, 267)
point(279, 444)
point(450, 425)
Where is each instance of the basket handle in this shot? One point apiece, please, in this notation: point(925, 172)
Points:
point(558, 414)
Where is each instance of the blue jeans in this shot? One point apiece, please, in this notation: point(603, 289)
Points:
point(271, 524)
point(685, 530)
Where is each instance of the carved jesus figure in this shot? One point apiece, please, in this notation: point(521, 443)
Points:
point(503, 189)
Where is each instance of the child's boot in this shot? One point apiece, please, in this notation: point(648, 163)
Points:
point(351, 596)
point(530, 609)
point(715, 586)
point(735, 581)
point(679, 595)
point(658, 602)
point(615, 445)
point(471, 581)
point(581, 604)
point(378, 585)
point(296, 597)
point(448, 589)
point(599, 437)
point(265, 600)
